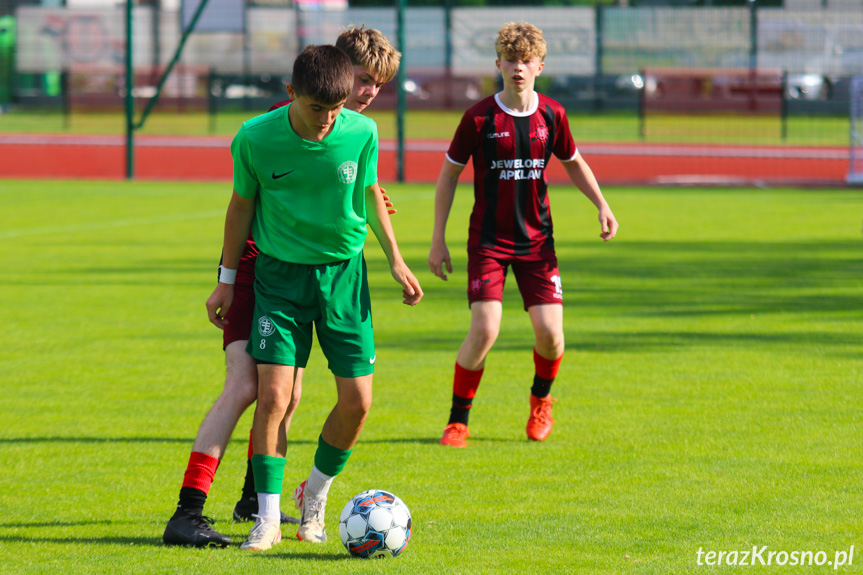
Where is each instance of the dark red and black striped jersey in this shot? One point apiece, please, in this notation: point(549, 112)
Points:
point(279, 105)
point(511, 150)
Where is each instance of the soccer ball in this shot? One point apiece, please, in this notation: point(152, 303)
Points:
point(375, 523)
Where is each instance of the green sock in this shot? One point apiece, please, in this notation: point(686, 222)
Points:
point(330, 460)
point(269, 473)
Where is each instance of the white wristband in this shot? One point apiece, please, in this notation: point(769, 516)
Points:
point(227, 276)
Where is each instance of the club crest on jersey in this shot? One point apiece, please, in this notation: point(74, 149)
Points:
point(540, 134)
point(265, 326)
point(477, 283)
point(348, 172)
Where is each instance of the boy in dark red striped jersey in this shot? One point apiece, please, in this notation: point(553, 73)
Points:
point(511, 137)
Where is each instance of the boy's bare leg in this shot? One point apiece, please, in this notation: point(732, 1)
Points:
point(275, 390)
point(341, 431)
point(485, 319)
point(296, 394)
point(345, 422)
point(188, 526)
point(247, 506)
point(547, 321)
point(241, 388)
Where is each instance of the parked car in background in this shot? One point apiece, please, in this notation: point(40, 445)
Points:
point(618, 92)
point(434, 92)
point(807, 87)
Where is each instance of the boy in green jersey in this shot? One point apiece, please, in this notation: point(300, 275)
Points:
point(303, 178)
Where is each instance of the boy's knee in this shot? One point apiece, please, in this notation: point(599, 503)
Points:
point(273, 397)
point(484, 335)
point(550, 340)
point(358, 408)
point(294, 403)
point(364, 405)
point(241, 388)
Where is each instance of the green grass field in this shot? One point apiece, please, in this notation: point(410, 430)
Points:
point(709, 397)
point(441, 125)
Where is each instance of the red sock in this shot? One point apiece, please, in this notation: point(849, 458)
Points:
point(250, 444)
point(465, 382)
point(200, 472)
point(546, 368)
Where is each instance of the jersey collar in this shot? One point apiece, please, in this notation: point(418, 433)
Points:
point(287, 124)
point(534, 104)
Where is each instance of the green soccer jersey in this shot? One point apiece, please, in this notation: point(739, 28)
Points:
point(309, 196)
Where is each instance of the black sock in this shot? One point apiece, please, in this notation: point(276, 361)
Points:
point(541, 387)
point(192, 500)
point(460, 410)
point(249, 484)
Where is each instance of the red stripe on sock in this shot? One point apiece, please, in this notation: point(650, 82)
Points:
point(546, 368)
point(466, 382)
point(251, 452)
point(201, 471)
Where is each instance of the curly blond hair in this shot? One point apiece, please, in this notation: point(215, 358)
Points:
point(520, 39)
point(370, 49)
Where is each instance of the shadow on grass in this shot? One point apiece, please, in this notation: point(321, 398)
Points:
point(25, 440)
point(403, 440)
point(19, 525)
point(284, 551)
point(680, 281)
point(642, 341)
point(136, 541)
point(283, 554)
point(694, 274)
point(435, 440)
point(187, 440)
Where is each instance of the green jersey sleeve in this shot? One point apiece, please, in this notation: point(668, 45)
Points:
point(370, 159)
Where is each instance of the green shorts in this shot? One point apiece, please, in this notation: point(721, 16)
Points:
point(289, 298)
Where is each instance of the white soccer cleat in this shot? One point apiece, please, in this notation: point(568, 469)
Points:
point(312, 526)
point(265, 533)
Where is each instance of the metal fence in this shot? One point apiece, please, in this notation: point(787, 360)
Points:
point(607, 43)
point(795, 62)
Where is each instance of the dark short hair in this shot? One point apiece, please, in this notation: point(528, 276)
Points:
point(324, 74)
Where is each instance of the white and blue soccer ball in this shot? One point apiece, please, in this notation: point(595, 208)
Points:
point(375, 523)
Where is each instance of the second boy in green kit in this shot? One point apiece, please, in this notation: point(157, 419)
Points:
point(303, 179)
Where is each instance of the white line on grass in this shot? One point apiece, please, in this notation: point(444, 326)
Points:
point(125, 223)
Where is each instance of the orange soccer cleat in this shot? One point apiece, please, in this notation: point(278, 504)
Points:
point(539, 423)
point(455, 435)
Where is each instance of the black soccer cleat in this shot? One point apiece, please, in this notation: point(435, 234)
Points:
point(187, 528)
point(247, 506)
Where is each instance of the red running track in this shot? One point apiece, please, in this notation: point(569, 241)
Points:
point(163, 158)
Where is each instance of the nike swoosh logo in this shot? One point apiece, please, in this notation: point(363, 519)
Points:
point(277, 176)
point(373, 358)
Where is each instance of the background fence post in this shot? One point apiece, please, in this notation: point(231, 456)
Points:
point(66, 98)
point(753, 35)
point(784, 104)
point(212, 104)
point(447, 54)
point(400, 92)
point(597, 66)
point(130, 98)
